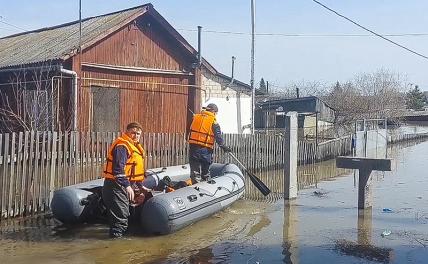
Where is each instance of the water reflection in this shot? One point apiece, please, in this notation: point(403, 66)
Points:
point(363, 248)
point(364, 226)
point(290, 242)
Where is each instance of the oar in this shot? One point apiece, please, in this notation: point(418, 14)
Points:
point(256, 181)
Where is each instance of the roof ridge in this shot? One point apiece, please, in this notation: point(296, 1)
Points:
point(74, 22)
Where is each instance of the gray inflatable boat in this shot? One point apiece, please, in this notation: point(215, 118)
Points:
point(164, 212)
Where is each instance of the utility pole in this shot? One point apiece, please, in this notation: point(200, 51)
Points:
point(253, 89)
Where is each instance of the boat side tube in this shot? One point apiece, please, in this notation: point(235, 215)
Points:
point(169, 212)
point(77, 203)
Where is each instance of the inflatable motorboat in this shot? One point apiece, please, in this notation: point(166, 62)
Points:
point(164, 212)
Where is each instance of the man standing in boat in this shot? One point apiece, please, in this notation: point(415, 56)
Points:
point(204, 132)
point(124, 172)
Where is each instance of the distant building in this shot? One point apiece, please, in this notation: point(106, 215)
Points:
point(314, 115)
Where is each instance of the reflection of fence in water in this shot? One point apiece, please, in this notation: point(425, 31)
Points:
point(308, 175)
point(33, 229)
point(311, 175)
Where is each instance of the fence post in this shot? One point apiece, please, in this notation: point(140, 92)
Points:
point(290, 157)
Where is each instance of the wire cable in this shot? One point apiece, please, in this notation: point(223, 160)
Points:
point(9, 24)
point(369, 30)
point(305, 35)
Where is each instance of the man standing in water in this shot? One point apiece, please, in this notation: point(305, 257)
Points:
point(204, 132)
point(124, 169)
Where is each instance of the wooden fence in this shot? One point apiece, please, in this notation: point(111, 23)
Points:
point(395, 138)
point(34, 164)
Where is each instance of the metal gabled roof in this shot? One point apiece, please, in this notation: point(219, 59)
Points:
point(62, 41)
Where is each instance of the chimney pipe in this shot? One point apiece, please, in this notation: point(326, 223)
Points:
point(233, 67)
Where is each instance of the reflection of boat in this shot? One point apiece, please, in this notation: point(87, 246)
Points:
point(164, 212)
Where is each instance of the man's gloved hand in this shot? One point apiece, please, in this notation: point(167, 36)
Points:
point(225, 148)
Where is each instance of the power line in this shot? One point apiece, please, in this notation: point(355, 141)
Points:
point(9, 24)
point(305, 35)
point(371, 31)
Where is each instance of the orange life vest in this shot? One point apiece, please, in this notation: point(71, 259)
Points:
point(201, 132)
point(134, 167)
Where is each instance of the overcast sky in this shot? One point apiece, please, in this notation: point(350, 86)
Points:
point(282, 60)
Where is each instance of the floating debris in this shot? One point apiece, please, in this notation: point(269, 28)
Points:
point(386, 233)
point(319, 193)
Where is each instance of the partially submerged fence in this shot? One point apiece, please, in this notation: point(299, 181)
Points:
point(34, 164)
point(395, 138)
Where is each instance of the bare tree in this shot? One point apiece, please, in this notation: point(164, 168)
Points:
point(368, 95)
point(302, 89)
point(28, 100)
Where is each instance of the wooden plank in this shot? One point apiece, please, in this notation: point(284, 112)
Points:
point(1, 176)
point(25, 174)
point(12, 179)
point(59, 156)
point(104, 138)
point(151, 149)
point(77, 157)
point(97, 148)
point(5, 165)
point(169, 142)
point(88, 159)
point(184, 150)
point(30, 183)
point(36, 178)
point(92, 156)
point(174, 148)
point(42, 173)
point(53, 166)
point(72, 159)
point(157, 149)
point(46, 174)
point(18, 177)
point(66, 160)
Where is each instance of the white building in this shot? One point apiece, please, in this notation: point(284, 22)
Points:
point(232, 97)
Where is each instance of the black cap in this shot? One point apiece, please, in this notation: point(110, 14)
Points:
point(212, 107)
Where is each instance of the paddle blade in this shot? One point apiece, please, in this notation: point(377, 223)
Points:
point(259, 184)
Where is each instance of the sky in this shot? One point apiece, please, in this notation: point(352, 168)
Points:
point(282, 60)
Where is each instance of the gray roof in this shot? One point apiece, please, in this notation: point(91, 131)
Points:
point(61, 42)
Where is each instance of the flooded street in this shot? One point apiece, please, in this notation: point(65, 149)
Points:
point(322, 225)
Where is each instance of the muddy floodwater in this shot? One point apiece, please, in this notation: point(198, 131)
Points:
point(322, 225)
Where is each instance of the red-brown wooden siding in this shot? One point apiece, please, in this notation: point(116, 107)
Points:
point(160, 108)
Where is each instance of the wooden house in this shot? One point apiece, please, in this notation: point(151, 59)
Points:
point(99, 75)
